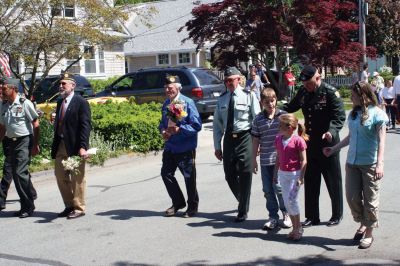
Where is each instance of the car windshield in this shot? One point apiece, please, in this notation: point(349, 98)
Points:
point(206, 77)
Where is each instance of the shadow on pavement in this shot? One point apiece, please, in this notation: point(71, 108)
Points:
point(124, 214)
point(306, 260)
point(48, 217)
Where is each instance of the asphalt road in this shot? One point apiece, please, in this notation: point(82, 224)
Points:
point(124, 224)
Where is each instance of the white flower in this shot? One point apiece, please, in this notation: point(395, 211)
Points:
point(72, 164)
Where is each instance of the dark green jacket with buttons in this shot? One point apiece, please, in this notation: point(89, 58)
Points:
point(323, 111)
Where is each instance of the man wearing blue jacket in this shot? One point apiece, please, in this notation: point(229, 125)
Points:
point(180, 135)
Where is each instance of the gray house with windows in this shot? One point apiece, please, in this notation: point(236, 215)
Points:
point(161, 44)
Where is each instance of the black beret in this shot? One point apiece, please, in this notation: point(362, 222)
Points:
point(171, 79)
point(230, 71)
point(67, 76)
point(307, 73)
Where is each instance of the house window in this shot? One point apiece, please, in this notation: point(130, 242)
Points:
point(75, 68)
point(94, 60)
point(66, 10)
point(184, 58)
point(90, 60)
point(163, 59)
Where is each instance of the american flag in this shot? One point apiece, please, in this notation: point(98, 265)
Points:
point(5, 65)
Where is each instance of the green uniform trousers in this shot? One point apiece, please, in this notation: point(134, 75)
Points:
point(237, 153)
point(18, 153)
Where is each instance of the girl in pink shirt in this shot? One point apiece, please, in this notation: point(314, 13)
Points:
point(290, 167)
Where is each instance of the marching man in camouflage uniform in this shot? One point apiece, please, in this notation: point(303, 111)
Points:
point(19, 127)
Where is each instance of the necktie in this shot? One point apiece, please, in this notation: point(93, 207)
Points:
point(61, 117)
point(229, 124)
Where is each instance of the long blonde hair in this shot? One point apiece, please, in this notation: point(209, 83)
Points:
point(292, 121)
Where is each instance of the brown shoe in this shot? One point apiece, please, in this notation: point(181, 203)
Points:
point(75, 214)
point(171, 211)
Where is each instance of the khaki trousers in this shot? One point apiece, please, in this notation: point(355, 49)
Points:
point(362, 193)
point(72, 186)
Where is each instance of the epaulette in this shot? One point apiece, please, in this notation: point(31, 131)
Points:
point(330, 88)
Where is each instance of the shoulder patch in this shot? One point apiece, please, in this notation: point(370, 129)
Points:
point(22, 99)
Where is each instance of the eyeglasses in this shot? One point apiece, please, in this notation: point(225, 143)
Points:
point(63, 83)
point(230, 80)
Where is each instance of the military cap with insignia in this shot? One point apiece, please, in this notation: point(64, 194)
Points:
point(9, 81)
point(307, 73)
point(171, 79)
point(231, 71)
point(67, 76)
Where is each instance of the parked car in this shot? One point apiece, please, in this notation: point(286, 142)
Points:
point(147, 85)
point(50, 86)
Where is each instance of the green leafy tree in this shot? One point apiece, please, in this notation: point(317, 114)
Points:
point(37, 33)
point(383, 29)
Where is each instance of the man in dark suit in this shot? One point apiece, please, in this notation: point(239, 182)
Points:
point(71, 138)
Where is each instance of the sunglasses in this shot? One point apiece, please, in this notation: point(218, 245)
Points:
point(63, 83)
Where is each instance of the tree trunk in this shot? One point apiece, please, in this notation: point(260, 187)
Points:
point(395, 65)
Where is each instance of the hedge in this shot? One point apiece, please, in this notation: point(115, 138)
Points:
point(116, 126)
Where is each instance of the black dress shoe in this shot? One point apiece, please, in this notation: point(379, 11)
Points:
point(241, 217)
point(333, 222)
point(171, 211)
point(189, 213)
point(65, 212)
point(309, 222)
point(23, 213)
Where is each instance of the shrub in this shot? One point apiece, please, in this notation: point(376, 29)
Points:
point(345, 92)
point(128, 125)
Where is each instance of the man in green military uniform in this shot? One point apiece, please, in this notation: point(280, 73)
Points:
point(324, 117)
point(19, 126)
point(233, 117)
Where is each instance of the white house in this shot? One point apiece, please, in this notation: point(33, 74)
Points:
point(161, 44)
point(99, 62)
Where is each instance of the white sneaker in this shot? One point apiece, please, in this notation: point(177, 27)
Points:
point(286, 222)
point(270, 224)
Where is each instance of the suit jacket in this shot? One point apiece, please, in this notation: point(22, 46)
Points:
point(76, 126)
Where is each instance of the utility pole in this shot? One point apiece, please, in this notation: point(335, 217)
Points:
point(362, 12)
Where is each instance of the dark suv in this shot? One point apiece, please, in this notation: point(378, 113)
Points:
point(50, 85)
point(147, 85)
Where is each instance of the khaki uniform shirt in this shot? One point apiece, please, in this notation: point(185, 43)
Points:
point(246, 108)
point(17, 117)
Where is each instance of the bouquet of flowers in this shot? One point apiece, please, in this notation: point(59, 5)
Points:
point(175, 112)
point(72, 163)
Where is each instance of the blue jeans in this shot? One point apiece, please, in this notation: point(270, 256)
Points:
point(272, 192)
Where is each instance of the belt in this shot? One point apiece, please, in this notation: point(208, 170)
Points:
point(16, 138)
point(239, 134)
